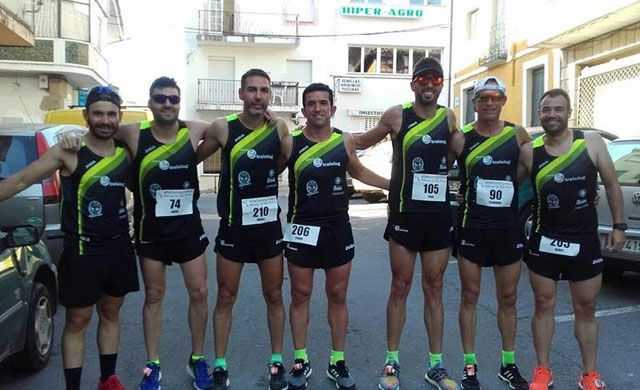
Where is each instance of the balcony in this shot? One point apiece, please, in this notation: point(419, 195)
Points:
point(497, 53)
point(215, 94)
point(247, 29)
point(17, 22)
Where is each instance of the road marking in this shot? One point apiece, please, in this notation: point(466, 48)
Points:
point(603, 313)
point(208, 216)
point(376, 210)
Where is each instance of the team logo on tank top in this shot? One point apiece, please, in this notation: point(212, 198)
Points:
point(417, 164)
point(95, 209)
point(338, 189)
point(312, 188)
point(244, 179)
point(272, 181)
point(153, 188)
point(553, 201)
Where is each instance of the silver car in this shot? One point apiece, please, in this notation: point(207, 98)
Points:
point(625, 154)
point(39, 204)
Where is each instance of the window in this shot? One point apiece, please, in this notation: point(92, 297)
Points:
point(303, 9)
point(434, 2)
point(416, 2)
point(537, 89)
point(74, 20)
point(472, 25)
point(469, 114)
point(387, 60)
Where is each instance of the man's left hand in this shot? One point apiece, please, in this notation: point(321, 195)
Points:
point(616, 240)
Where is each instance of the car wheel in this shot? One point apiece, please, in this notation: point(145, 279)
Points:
point(372, 197)
point(525, 220)
point(39, 334)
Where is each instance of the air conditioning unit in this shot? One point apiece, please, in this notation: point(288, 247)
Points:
point(43, 81)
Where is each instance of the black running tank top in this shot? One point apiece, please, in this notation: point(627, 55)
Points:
point(565, 189)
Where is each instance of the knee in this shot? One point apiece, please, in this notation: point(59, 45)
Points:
point(273, 296)
point(585, 309)
point(400, 287)
point(110, 313)
point(300, 296)
point(507, 299)
point(76, 322)
point(153, 295)
point(199, 294)
point(226, 295)
point(470, 295)
point(544, 302)
point(337, 296)
point(432, 284)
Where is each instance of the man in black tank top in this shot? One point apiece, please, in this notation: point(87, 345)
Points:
point(564, 243)
point(488, 153)
point(419, 214)
point(250, 230)
point(98, 265)
point(167, 221)
point(318, 232)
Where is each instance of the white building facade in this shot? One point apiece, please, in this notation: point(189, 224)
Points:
point(364, 50)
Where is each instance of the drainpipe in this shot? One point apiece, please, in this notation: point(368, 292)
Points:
point(449, 93)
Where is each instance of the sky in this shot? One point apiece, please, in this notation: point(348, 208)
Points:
point(154, 45)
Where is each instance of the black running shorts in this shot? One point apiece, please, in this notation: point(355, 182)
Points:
point(249, 244)
point(585, 265)
point(335, 247)
point(180, 250)
point(491, 247)
point(83, 279)
point(421, 232)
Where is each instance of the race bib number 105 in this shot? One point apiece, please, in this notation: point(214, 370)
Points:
point(430, 188)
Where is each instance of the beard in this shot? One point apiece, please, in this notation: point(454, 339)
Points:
point(102, 132)
point(553, 127)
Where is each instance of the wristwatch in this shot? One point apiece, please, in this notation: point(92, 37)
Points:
point(620, 226)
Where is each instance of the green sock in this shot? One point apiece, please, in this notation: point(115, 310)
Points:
point(276, 358)
point(508, 357)
point(155, 361)
point(301, 354)
point(393, 355)
point(336, 356)
point(220, 362)
point(470, 358)
point(196, 357)
point(434, 359)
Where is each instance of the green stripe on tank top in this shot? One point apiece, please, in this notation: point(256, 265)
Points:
point(152, 160)
point(414, 135)
point(307, 158)
point(486, 147)
point(90, 177)
point(550, 170)
point(249, 142)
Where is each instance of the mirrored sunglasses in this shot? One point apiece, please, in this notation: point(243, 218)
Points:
point(161, 99)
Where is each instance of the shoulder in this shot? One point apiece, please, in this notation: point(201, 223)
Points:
point(521, 133)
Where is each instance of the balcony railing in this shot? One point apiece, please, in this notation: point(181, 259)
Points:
point(225, 92)
point(498, 52)
point(24, 11)
point(212, 24)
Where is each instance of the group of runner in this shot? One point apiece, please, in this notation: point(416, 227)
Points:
point(158, 160)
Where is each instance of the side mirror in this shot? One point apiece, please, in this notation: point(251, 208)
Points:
point(17, 236)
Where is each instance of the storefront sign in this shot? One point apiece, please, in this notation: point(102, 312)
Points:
point(349, 85)
point(371, 113)
point(381, 11)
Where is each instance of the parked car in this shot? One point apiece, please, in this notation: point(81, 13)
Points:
point(525, 192)
point(625, 154)
point(28, 296)
point(378, 159)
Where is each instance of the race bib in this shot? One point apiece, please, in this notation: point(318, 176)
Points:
point(494, 193)
point(558, 247)
point(170, 203)
point(302, 234)
point(256, 211)
point(430, 188)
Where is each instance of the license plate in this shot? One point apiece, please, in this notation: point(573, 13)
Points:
point(630, 246)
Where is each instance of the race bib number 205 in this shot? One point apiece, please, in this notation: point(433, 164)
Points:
point(558, 247)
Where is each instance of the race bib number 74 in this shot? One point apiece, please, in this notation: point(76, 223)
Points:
point(170, 203)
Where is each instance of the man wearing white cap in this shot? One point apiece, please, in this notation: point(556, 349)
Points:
point(488, 152)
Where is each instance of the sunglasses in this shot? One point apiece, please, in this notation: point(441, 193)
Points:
point(161, 99)
point(486, 96)
point(436, 81)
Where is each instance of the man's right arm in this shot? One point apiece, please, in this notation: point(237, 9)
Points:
point(215, 136)
point(52, 160)
point(389, 122)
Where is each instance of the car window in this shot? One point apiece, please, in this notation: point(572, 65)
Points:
point(16, 152)
point(626, 160)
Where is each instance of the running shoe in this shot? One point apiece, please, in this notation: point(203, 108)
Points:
point(220, 379)
point(198, 370)
point(511, 375)
point(390, 377)
point(542, 379)
point(300, 371)
point(112, 383)
point(591, 381)
point(151, 377)
point(339, 374)
point(440, 379)
point(470, 378)
point(276, 376)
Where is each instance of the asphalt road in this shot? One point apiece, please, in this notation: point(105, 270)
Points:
point(618, 307)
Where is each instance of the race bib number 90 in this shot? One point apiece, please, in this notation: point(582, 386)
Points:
point(302, 234)
point(430, 188)
point(494, 193)
point(170, 203)
point(558, 247)
point(256, 211)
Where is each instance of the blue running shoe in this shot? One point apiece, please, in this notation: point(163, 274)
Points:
point(199, 370)
point(151, 377)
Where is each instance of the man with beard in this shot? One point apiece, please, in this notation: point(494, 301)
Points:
point(98, 265)
point(564, 245)
point(167, 222)
point(488, 152)
point(419, 214)
point(250, 230)
point(318, 231)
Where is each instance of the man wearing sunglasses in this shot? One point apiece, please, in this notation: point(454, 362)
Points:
point(419, 214)
point(488, 153)
point(98, 264)
point(250, 230)
point(168, 228)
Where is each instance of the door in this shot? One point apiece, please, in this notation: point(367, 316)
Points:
point(221, 87)
point(12, 306)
